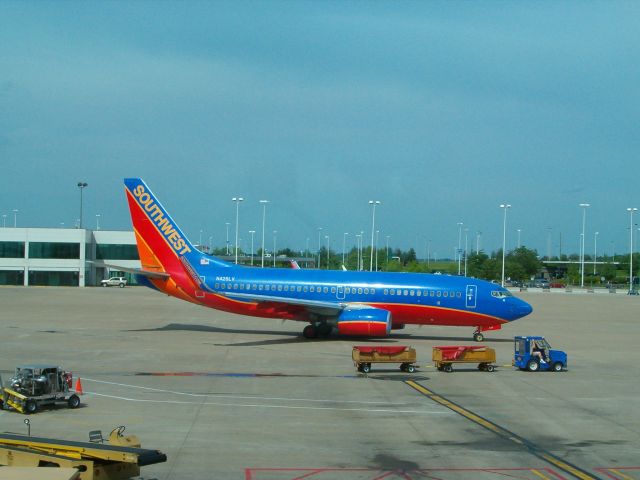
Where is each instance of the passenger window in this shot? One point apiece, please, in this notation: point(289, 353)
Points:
point(372, 291)
point(438, 293)
point(333, 289)
point(445, 294)
point(458, 294)
point(305, 288)
point(347, 290)
point(299, 288)
point(260, 287)
point(359, 291)
point(405, 293)
point(235, 286)
point(312, 289)
point(419, 293)
point(432, 293)
point(392, 291)
point(385, 291)
point(325, 289)
point(366, 291)
point(216, 286)
point(412, 293)
point(286, 288)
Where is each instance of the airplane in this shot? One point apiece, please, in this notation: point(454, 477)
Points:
point(352, 303)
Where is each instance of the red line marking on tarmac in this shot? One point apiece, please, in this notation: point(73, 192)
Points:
point(378, 474)
point(618, 473)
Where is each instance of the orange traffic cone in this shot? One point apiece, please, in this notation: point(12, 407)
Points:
point(78, 388)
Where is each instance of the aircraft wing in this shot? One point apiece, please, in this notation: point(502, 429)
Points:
point(313, 304)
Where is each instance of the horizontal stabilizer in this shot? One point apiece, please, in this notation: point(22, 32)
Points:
point(135, 271)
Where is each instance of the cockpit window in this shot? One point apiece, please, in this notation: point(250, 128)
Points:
point(501, 294)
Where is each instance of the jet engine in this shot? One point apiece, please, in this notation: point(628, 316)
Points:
point(365, 321)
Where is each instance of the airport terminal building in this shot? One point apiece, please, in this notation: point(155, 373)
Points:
point(64, 256)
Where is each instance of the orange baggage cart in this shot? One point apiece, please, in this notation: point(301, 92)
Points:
point(445, 356)
point(364, 356)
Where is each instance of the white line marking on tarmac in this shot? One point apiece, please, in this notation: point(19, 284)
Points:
point(368, 410)
point(363, 402)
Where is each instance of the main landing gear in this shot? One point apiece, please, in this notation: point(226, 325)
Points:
point(478, 336)
point(316, 330)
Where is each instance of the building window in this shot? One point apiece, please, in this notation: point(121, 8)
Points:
point(53, 279)
point(54, 250)
point(109, 251)
point(11, 277)
point(11, 249)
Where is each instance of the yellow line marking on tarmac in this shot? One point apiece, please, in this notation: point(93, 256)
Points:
point(504, 433)
point(539, 474)
point(620, 474)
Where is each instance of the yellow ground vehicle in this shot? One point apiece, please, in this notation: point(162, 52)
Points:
point(364, 356)
point(34, 386)
point(445, 356)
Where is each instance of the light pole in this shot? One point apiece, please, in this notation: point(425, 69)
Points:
point(373, 203)
point(264, 213)
point(631, 210)
point(327, 237)
point(237, 200)
point(358, 243)
point(519, 230)
point(252, 232)
point(504, 206)
point(344, 245)
point(200, 240)
point(4, 221)
point(97, 221)
point(377, 241)
point(478, 235)
point(584, 218)
point(319, 231)
point(459, 243)
point(227, 225)
point(466, 235)
point(275, 237)
point(386, 252)
point(548, 243)
point(595, 251)
point(81, 186)
point(210, 244)
point(428, 254)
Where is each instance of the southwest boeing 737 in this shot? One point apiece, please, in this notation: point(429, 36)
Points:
point(344, 302)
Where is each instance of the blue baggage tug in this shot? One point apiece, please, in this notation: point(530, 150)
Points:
point(535, 353)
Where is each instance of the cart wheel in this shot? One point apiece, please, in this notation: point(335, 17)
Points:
point(557, 367)
point(532, 365)
point(366, 368)
point(410, 368)
point(478, 336)
point(30, 407)
point(481, 366)
point(74, 401)
point(448, 368)
point(489, 368)
point(403, 367)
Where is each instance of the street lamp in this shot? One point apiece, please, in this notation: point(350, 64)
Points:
point(275, 236)
point(386, 252)
point(373, 203)
point(358, 243)
point(595, 251)
point(81, 186)
point(466, 235)
point(264, 213)
point(327, 237)
point(519, 230)
point(478, 235)
point(4, 221)
point(319, 230)
point(252, 232)
point(97, 221)
point(377, 242)
point(631, 210)
point(237, 200)
point(344, 244)
point(584, 218)
point(504, 206)
point(227, 225)
point(459, 241)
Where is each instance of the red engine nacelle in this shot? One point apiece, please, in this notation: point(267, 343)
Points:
point(365, 322)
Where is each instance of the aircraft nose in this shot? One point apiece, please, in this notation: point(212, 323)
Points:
point(522, 309)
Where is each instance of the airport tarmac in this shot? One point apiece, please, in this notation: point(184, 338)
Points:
point(235, 397)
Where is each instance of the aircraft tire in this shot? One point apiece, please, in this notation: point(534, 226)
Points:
point(478, 336)
point(310, 332)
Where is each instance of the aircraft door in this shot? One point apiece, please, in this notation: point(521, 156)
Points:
point(340, 293)
point(471, 296)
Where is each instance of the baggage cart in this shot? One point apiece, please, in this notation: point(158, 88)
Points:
point(445, 356)
point(364, 356)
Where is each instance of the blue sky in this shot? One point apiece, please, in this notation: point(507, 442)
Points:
point(440, 110)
